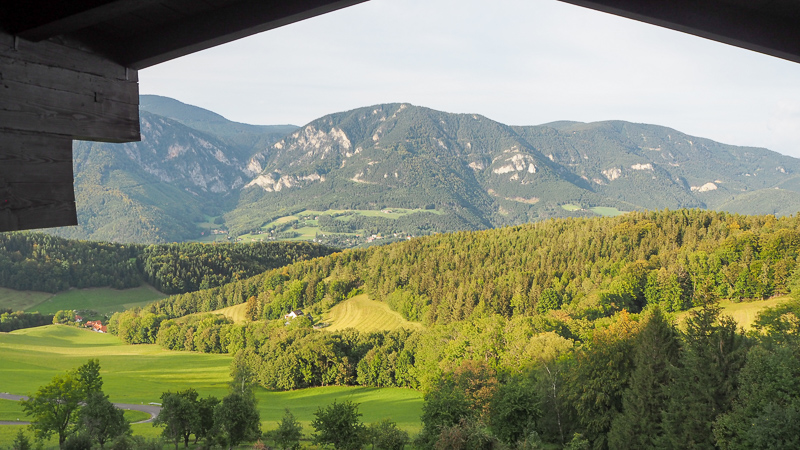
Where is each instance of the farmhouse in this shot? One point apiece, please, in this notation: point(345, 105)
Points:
point(294, 314)
point(97, 326)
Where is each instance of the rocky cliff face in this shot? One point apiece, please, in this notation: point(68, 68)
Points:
point(177, 154)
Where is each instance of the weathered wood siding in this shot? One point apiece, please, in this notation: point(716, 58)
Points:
point(36, 182)
point(54, 88)
point(52, 92)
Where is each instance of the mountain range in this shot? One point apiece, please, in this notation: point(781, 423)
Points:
point(448, 171)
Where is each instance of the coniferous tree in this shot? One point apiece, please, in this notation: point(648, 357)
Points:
point(643, 403)
point(705, 380)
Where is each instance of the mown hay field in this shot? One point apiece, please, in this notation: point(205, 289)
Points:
point(364, 314)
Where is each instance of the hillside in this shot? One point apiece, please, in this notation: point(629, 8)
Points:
point(243, 137)
point(590, 267)
point(340, 178)
point(477, 173)
point(40, 262)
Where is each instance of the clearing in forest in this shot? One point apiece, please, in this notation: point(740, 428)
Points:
point(744, 312)
point(235, 313)
point(366, 315)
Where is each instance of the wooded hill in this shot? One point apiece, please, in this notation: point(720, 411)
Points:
point(589, 268)
point(456, 171)
point(40, 262)
point(566, 276)
point(537, 336)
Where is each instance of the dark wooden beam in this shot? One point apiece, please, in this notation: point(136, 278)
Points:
point(55, 89)
point(77, 20)
point(52, 92)
point(218, 26)
point(752, 27)
point(36, 182)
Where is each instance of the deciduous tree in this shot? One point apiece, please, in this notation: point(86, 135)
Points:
point(102, 420)
point(54, 408)
point(339, 424)
point(287, 435)
point(236, 419)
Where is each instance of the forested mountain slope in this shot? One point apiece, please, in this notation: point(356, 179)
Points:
point(656, 167)
point(447, 172)
point(40, 262)
point(483, 174)
point(156, 190)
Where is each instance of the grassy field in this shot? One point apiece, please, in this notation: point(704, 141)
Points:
point(235, 312)
point(11, 410)
point(308, 225)
point(29, 358)
point(570, 207)
point(21, 300)
point(604, 211)
point(135, 416)
point(744, 313)
point(102, 300)
point(365, 315)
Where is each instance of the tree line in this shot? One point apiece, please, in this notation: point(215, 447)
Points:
point(15, 320)
point(40, 262)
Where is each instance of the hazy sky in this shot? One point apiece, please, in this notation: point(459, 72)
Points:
point(520, 62)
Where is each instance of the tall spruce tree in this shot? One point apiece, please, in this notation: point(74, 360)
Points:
point(643, 403)
point(706, 379)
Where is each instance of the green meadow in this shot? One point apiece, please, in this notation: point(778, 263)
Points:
point(21, 300)
point(30, 358)
point(11, 410)
point(102, 300)
point(308, 225)
point(605, 211)
point(365, 315)
point(744, 312)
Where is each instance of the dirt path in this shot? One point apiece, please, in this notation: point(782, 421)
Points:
point(153, 410)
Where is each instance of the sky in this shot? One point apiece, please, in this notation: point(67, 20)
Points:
point(519, 62)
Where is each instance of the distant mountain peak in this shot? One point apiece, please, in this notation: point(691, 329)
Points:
point(456, 171)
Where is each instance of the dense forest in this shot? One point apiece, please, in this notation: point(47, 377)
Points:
point(539, 336)
point(585, 268)
point(40, 262)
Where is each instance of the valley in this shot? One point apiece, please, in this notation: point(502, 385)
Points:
point(571, 269)
point(139, 374)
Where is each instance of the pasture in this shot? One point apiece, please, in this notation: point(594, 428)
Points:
point(11, 410)
point(235, 313)
point(102, 300)
point(21, 300)
point(365, 315)
point(307, 225)
point(605, 211)
point(30, 358)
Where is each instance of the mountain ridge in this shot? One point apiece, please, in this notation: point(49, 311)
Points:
point(449, 171)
